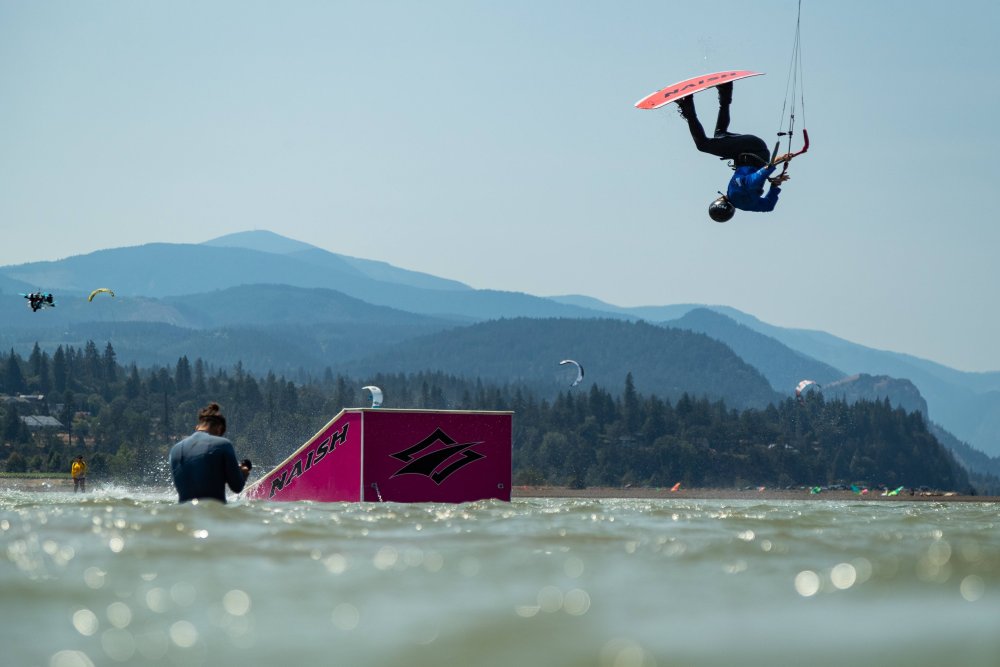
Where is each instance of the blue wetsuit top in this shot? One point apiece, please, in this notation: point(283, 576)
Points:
point(746, 189)
point(202, 465)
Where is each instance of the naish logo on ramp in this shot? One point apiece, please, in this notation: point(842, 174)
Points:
point(434, 464)
point(312, 457)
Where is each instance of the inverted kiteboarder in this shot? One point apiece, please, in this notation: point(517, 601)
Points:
point(752, 162)
point(753, 165)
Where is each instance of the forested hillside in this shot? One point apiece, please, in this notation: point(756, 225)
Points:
point(781, 365)
point(124, 419)
point(310, 308)
point(663, 361)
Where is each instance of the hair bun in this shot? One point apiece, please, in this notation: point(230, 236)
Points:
point(210, 411)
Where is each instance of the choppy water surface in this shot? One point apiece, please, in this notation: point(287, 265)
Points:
point(125, 577)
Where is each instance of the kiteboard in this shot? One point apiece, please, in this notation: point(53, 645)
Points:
point(691, 86)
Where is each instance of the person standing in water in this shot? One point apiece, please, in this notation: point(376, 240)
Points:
point(78, 471)
point(204, 463)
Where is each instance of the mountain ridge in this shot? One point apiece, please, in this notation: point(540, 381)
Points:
point(967, 404)
point(666, 362)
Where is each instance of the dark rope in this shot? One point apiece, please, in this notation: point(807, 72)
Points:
point(793, 85)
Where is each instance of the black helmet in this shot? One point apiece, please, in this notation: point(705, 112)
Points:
point(721, 210)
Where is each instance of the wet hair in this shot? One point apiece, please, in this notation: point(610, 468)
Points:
point(211, 416)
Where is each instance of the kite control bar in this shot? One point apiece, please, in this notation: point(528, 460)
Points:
point(805, 145)
point(786, 158)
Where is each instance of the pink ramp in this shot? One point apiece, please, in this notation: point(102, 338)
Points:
point(389, 455)
point(327, 467)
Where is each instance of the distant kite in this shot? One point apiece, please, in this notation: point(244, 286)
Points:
point(376, 395)
point(802, 387)
point(39, 300)
point(579, 370)
point(99, 290)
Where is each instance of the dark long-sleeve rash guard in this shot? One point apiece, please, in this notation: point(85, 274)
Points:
point(203, 465)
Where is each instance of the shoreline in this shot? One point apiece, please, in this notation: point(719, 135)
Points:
point(57, 484)
point(651, 493)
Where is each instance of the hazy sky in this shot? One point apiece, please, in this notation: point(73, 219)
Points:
point(496, 143)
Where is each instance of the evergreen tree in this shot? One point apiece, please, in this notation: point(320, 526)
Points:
point(60, 372)
point(73, 365)
point(44, 379)
point(200, 387)
point(630, 405)
point(91, 364)
point(577, 439)
point(13, 377)
point(35, 360)
point(182, 375)
point(109, 365)
point(289, 398)
point(68, 413)
point(133, 384)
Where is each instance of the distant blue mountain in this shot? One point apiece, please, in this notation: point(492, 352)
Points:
point(663, 361)
point(266, 327)
point(265, 241)
point(968, 404)
point(165, 269)
point(11, 286)
point(152, 282)
point(260, 240)
point(864, 387)
point(173, 269)
point(781, 365)
point(648, 313)
point(269, 304)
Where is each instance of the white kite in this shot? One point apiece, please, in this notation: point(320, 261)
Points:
point(579, 370)
point(802, 387)
point(376, 395)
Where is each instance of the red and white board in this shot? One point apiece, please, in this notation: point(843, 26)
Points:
point(690, 86)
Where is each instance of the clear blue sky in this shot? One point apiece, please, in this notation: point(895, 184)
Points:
point(496, 143)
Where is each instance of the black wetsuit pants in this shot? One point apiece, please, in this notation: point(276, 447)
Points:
point(741, 148)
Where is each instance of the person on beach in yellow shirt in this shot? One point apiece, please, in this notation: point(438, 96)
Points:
point(78, 471)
